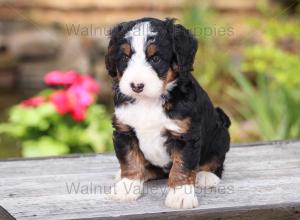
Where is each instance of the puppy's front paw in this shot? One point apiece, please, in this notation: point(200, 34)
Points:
point(182, 197)
point(127, 190)
point(207, 179)
point(117, 176)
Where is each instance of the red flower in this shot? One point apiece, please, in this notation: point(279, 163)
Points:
point(78, 94)
point(61, 101)
point(90, 84)
point(80, 99)
point(33, 102)
point(75, 100)
point(55, 78)
point(78, 113)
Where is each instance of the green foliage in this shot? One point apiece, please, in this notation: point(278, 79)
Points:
point(264, 87)
point(276, 55)
point(44, 146)
point(281, 67)
point(275, 30)
point(211, 62)
point(274, 110)
point(270, 84)
point(43, 132)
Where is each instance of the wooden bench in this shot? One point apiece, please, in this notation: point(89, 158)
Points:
point(261, 181)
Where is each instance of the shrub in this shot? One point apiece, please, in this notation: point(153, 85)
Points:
point(211, 61)
point(268, 87)
point(275, 111)
point(64, 119)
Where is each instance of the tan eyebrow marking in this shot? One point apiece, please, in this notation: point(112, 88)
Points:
point(126, 49)
point(151, 50)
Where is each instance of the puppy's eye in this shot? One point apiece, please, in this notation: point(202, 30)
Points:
point(155, 59)
point(125, 58)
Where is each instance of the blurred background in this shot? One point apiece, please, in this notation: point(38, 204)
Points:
point(248, 62)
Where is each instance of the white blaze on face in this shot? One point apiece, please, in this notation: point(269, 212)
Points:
point(139, 70)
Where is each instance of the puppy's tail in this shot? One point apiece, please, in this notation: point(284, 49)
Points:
point(225, 120)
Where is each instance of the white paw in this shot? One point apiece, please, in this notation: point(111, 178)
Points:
point(118, 176)
point(182, 197)
point(207, 179)
point(127, 190)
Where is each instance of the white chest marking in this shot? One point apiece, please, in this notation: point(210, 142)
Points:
point(149, 120)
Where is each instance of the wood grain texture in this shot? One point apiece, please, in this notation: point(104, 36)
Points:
point(5, 215)
point(260, 182)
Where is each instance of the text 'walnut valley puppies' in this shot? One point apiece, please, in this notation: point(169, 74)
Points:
point(165, 124)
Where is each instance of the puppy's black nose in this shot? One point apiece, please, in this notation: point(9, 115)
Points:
point(137, 87)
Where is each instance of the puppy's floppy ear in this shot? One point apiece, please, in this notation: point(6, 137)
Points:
point(109, 60)
point(110, 57)
point(184, 45)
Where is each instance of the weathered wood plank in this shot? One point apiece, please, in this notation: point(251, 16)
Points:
point(260, 182)
point(5, 215)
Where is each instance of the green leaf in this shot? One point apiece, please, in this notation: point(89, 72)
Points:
point(44, 146)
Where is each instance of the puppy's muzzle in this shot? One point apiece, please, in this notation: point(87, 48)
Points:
point(137, 87)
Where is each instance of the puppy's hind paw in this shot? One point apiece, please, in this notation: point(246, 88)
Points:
point(207, 179)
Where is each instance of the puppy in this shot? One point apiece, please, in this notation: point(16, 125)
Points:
point(165, 124)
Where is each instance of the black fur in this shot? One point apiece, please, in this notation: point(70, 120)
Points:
point(208, 138)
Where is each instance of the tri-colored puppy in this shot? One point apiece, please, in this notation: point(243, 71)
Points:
point(165, 124)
